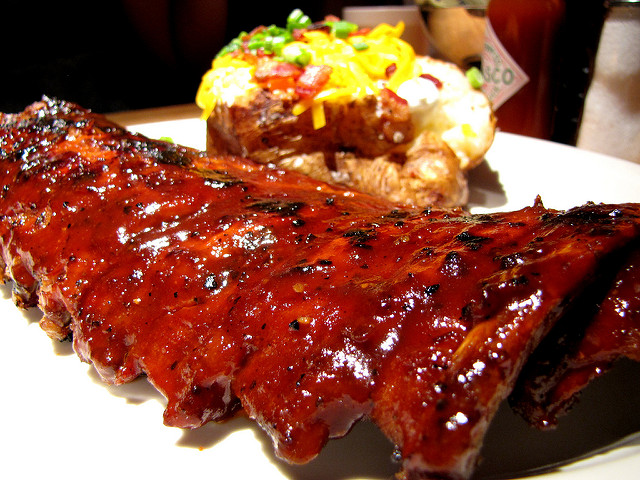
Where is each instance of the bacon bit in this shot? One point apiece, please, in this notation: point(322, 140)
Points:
point(435, 80)
point(258, 29)
point(298, 33)
point(246, 57)
point(280, 84)
point(318, 27)
point(274, 75)
point(361, 31)
point(273, 69)
point(390, 70)
point(313, 78)
point(387, 95)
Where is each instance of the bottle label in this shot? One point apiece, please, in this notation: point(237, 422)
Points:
point(503, 77)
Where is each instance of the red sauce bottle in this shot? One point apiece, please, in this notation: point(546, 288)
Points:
point(518, 63)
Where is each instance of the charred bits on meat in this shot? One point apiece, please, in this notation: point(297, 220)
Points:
point(280, 207)
point(303, 269)
point(211, 283)
point(510, 261)
point(162, 152)
point(396, 214)
point(219, 178)
point(454, 265)
point(473, 242)
point(432, 289)
point(308, 238)
point(360, 237)
point(424, 252)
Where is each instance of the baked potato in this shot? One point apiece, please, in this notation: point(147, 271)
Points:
point(350, 106)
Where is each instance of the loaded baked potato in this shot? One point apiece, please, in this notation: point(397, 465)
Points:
point(350, 106)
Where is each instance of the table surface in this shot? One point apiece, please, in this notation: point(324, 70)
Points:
point(159, 114)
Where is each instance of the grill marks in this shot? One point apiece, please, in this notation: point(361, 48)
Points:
point(279, 207)
point(360, 238)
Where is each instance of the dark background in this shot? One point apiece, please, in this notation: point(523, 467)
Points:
point(126, 54)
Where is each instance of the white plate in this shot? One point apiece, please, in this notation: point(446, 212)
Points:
point(60, 421)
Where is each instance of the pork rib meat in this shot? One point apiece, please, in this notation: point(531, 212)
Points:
point(236, 287)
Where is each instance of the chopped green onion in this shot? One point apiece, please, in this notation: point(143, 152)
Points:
point(304, 58)
point(342, 28)
point(226, 49)
point(167, 139)
point(295, 15)
point(256, 43)
point(278, 43)
point(474, 75)
point(273, 39)
point(232, 46)
point(297, 19)
point(268, 44)
point(359, 46)
point(296, 55)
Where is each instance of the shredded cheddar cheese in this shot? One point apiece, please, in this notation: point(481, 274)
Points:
point(229, 78)
point(361, 65)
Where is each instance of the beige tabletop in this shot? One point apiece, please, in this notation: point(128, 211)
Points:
point(159, 114)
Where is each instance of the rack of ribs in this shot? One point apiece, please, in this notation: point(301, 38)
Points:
point(239, 288)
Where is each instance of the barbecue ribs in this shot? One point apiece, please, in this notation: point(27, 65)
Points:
point(236, 287)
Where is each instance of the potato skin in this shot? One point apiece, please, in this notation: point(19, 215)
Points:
point(429, 174)
point(261, 126)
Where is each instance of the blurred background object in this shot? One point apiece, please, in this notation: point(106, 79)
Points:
point(515, 42)
point(98, 54)
point(548, 45)
point(577, 46)
point(455, 29)
point(611, 118)
point(127, 54)
point(518, 63)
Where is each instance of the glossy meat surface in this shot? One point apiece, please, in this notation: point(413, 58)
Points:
point(234, 286)
point(583, 347)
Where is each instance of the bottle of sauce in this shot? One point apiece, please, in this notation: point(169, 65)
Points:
point(518, 63)
point(578, 45)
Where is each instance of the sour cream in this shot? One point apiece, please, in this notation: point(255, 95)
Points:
point(421, 94)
